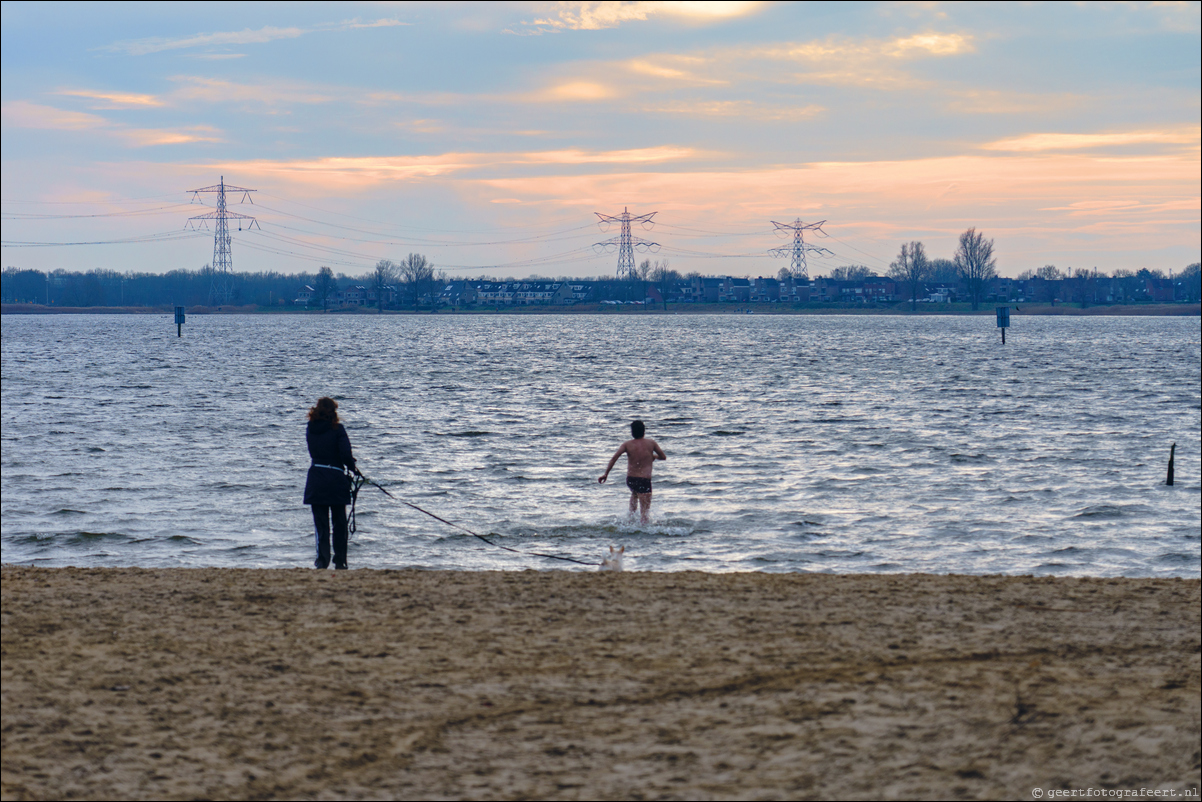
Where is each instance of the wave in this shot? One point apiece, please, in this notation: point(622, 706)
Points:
point(83, 538)
point(1177, 558)
point(1101, 511)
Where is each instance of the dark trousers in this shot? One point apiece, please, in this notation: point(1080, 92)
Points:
point(321, 526)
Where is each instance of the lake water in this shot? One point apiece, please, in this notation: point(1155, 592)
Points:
point(795, 443)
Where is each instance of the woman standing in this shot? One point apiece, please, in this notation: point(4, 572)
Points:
point(328, 487)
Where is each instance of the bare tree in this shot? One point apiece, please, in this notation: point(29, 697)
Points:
point(439, 282)
point(911, 267)
point(382, 279)
point(943, 271)
point(1191, 282)
point(851, 273)
point(1049, 273)
point(418, 273)
point(640, 276)
point(664, 277)
point(1083, 285)
point(976, 264)
point(326, 286)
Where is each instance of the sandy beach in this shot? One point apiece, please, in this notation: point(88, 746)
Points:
point(133, 683)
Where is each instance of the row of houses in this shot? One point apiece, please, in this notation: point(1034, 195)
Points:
point(873, 290)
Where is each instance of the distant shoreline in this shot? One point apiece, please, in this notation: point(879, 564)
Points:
point(1122, 310)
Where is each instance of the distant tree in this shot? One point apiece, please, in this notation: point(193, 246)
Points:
point(1075, 282)
point(1049, 273)
point(665, 279)
point(943, 272)
point(976, 264)
point(418, 273)
point(1191, 282)
point(325, 286)
point(784, 274)
point(851, 273)
point(1147, 273)
point(911, 268)
point(24, 286)
point(1083, 286)
point(383, 277)
point(640, 277)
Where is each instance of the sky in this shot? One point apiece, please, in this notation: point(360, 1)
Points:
point(487, 136)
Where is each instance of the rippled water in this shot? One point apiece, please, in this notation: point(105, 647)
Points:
point(807, 443)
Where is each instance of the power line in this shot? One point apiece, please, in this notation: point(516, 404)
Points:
point(854, 248)
point(88, 203)
point(131, 213)
point(383, 223)
point(422, 241)
point(166, 236)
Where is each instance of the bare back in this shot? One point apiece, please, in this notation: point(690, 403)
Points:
point(641, 453)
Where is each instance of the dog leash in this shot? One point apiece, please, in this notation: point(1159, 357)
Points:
point(379, 487)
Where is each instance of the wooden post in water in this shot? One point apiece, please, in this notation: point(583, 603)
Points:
point(179, 321)
point(1169, 479)
point(1003, 320)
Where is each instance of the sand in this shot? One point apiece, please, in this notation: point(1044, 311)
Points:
point(133, 683)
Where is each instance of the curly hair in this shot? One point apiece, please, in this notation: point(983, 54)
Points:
point(325, 409)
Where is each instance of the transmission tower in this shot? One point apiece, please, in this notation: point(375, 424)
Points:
point(798, 250)
point(624, 243)
point(222, 289)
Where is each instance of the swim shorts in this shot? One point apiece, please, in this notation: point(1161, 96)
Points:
point(638, 484)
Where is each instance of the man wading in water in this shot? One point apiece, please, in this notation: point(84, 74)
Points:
point(640, 454)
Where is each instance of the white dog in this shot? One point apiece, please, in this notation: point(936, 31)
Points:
point(614, 561)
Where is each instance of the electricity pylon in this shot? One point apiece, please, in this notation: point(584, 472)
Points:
point(798, 250)
point(625, 244)
point(222, 289)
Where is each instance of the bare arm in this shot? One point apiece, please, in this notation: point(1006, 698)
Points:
point(621, 450)
point(657, 451)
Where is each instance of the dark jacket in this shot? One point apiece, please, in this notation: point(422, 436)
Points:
point(328, 445)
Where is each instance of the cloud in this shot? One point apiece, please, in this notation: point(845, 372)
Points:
point(634, 156)
point(113, 100)
point(213, 90)
point(677, 68)
point(844, 49)
point(574, 91)
point(747, 109)
point(1110, 207)
point(835, 60)
point(592, 16)
point(989, 101)
point(932, 44)
point(353, 173)
point(142, 137)
point(158, 44)
point(23, 114)
point(865, 62)
point(1040, 142)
